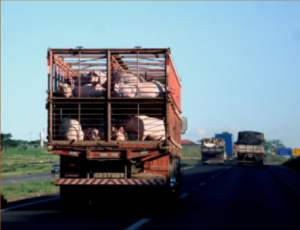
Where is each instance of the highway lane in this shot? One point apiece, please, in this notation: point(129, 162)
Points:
point(213, 197)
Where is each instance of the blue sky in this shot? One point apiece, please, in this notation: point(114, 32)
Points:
point(239, 61)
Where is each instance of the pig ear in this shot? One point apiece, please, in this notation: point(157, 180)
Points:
point(59, 83)
point(72, 86)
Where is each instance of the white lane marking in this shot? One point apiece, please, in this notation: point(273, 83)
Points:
point(203, 183)
point(137, 224)
point(189, 167)
point(22, 205)
point(228, 167)
point(183, 195)
point(213, 177)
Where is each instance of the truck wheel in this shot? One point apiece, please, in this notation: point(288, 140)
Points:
point(240, 164)
point(173, 189)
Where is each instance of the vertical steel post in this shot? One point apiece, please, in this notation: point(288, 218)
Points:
point(79, 76)
point(108, 121)
point(167, 67)
point(50, 111)
point(109, 77)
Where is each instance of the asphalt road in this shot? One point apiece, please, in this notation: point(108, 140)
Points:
point(213, 197)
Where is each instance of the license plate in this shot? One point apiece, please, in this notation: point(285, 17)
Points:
point(250, 156)
point(109, 175)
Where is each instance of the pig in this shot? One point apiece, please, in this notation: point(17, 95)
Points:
point(143, 89)
point(70, 129)
point(64, 90)
point(89, 90)
point(94, 76)
point(127, 78)
point(98, 76)
point(117, 134)
point(91, 134)
point(150, 128)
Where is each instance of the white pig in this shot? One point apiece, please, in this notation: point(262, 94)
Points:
point(143, 89)
point(119, 134)
point(93, 76)
point(70, 129)
point(127, 78)
point(150, 128)
point(64, 89)
point(89, 90)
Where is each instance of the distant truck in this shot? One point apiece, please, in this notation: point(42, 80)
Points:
point(250, 148)
point(229, 145)
point(213, 150)
point(114, 117)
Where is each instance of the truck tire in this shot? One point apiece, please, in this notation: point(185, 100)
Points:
point(240, 164)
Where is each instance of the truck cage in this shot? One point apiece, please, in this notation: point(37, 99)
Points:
point(110, 110)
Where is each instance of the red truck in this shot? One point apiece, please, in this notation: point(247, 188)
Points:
point(114, 117)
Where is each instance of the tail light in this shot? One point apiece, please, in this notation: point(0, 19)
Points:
point(147, 165)
point(72, 165)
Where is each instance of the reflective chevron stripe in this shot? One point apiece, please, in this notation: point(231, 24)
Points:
point(108, 182)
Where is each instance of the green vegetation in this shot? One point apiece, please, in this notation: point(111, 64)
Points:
point(192, 151)
point(294, 163)
point(18, 161)
point(188, 162)
point(28, 189)
point(7, 142)
point(273, 145)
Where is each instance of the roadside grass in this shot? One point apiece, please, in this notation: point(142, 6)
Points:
point(20, 162)
point(21, 156)
point(191, 152)
point(27, 189)
point(293, 163)
point(24, 170)
point(189, 162)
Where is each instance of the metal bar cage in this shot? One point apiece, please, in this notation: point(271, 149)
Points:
point(107, 94)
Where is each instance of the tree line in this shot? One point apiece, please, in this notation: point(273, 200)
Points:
point(8, 142)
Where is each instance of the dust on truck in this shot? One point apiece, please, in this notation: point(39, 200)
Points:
point(213, 150)
point(250, 148)
point(114, 117)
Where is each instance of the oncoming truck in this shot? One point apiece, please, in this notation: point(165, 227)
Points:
point(213, 150)
point(250, 148)
point(114, 117)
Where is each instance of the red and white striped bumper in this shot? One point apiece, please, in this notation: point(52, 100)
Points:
point(108, 182)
